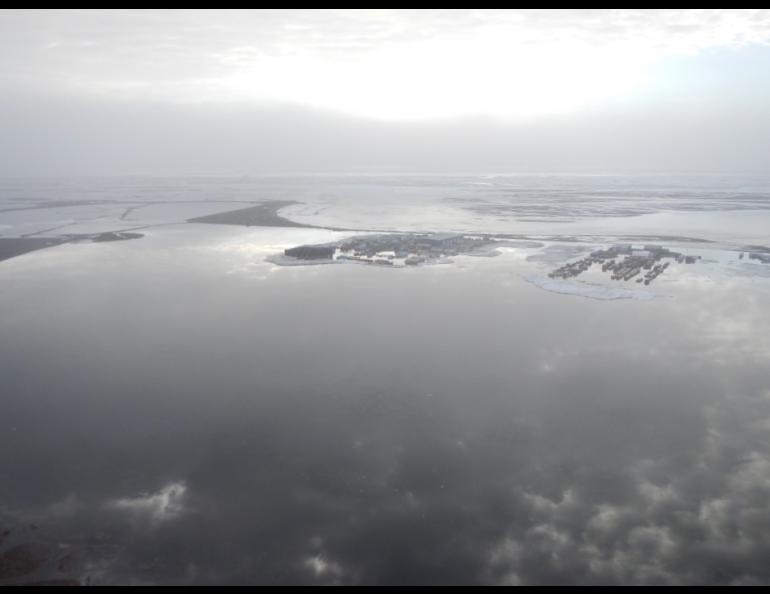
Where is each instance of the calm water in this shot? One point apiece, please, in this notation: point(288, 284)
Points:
point(176, 410)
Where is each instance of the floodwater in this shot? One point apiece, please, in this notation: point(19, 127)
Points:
point(177, 410)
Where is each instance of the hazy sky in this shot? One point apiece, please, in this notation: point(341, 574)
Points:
point(239, 92)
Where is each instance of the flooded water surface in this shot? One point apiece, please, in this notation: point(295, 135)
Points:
point(176, 409)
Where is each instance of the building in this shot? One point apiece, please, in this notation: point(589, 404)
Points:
point(311, 252)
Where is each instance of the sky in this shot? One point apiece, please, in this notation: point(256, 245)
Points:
point(240, 92)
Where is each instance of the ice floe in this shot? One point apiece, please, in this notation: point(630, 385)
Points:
point(590, 290)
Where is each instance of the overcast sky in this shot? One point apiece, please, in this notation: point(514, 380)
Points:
point(259, 92)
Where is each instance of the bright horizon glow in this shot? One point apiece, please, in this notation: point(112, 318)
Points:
point(382, 64)
point(428, 80)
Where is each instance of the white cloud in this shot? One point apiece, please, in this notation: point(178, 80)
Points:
point(705, 523)
point(165, 504)
point(384, 64)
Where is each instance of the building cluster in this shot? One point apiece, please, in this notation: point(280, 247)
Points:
point(312, 252)
point(764, 258)
point(624, 262)
point(434, 245)
point(408, 249)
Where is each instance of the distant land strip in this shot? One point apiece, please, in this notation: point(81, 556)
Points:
point(264, 214)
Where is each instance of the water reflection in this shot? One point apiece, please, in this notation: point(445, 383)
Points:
point(172, 423)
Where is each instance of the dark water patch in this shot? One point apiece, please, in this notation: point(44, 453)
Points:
point(10, 247)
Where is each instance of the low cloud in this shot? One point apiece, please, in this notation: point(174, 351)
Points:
point(165, 504)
